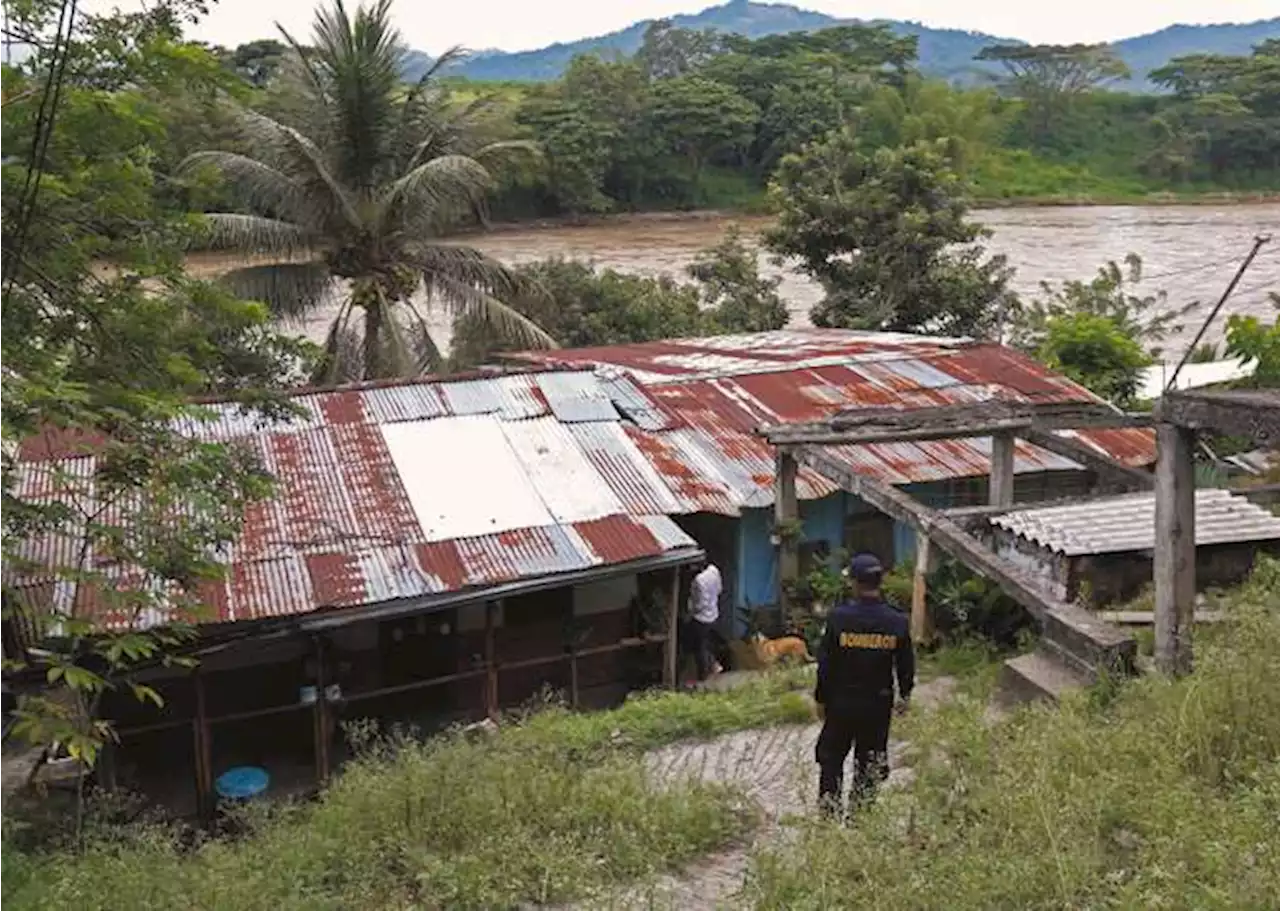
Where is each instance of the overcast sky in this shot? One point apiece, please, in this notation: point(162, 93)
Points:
point(432, 25)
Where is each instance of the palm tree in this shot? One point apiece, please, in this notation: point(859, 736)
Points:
point(383, 172)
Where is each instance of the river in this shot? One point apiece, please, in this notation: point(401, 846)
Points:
point(1190, 252)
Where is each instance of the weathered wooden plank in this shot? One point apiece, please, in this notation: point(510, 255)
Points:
point(1174, 564)
point(878, 425)
point(921, 625)
point(1001, 486)
point(1147, 618)
point(1247, 413)
point(786, 512)
point(670, 648)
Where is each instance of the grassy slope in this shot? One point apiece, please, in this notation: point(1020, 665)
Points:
point(552, 805)
point(1152, 795)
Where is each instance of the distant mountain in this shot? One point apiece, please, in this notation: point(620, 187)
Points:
point(946, 53)
point(1148, 52)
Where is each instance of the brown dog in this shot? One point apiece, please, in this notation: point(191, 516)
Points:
point(770, 651)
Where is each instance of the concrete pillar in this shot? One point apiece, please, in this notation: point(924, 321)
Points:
point(1002, 469)
point(1175, 551)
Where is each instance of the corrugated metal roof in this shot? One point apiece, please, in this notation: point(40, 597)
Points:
point(725, 387)
point(431, 486)
point(1127, 523)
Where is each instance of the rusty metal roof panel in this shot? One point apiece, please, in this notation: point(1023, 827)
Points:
point(411, 402)
point(520, 396)
point(1134, 446)
point(1127, 523)
point(576, 396)
point(558, 471)
point(618, 539)
point(667, 533)
point(276, 587)
point(633, 477)
point(695, 490)
point(521, 553)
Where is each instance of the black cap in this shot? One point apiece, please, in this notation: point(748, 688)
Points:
point(866, 568)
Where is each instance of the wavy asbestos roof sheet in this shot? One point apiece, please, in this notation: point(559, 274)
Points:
point(1127, 523)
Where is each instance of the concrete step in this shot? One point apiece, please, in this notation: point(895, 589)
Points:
point(1148, 618)
point(1039, 676)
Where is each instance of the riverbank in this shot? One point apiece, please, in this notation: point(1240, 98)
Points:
point(751, 213)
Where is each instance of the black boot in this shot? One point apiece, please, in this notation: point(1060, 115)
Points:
point(830, 786)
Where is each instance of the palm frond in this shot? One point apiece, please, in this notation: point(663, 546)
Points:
point(255, 234)
point(429, 357)
point(306, 161)
point(506, 150)
point(341, 358)
point(463, 299)
point(259, 186)
point(437, 194)
point(473, 267)
point(290, 290)
point(360, 58)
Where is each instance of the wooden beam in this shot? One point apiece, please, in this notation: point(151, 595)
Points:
point(1174, 565)
point(321, 716)
point(1092, 642)
point(881, 425)
point(202, 743)
point(1254, 414)
point(1109, 470)
point(921, 625)
point(1001, 482)
point(671, 648)
point(786, 510)
point(490, 661)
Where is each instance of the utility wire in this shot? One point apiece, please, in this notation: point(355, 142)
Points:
point(1258, 243)
point(41, 135)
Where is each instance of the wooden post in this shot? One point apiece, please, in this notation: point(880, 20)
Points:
point(1002, 448)
point(202, 743)
point(321, 715)
point(921, 627)
point(490, 661)
point(786, 511)
point(671, 648)
point(1175, 553)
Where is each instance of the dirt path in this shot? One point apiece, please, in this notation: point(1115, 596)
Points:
point(774, 767)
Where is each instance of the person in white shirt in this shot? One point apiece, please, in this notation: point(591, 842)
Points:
point(704, 611)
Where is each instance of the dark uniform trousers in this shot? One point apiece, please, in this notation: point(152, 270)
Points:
point(860, 725)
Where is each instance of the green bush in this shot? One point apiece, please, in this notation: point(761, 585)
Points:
point(1165, 796)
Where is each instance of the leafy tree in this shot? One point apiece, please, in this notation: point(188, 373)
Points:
point(582, 307)
point(923, 110)
point(738, 299)
point(1048, 77)
point(367, 198)
point(258, 62)
point(1111, 295)
point(586, 307)
point(1095, 352)
point(105, 341)
point(577, 149)
point(667, 50)
point(885, 234)
point(1253, 340)
point(699, 119)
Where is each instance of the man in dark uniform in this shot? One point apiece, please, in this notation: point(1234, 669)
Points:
point(865, 643)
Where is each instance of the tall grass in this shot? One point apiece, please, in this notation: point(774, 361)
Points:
point(550, 807)
point(1164, 795)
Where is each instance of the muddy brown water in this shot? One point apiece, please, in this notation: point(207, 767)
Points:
point(1190, 252)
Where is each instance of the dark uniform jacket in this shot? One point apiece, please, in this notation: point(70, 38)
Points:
point(864, 643)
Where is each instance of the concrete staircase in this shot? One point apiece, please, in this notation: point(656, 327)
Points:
point(1075, 649)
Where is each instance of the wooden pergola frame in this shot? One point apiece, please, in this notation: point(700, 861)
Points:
point(1095, 644)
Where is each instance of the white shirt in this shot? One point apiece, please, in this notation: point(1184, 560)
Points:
point(704, 596)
